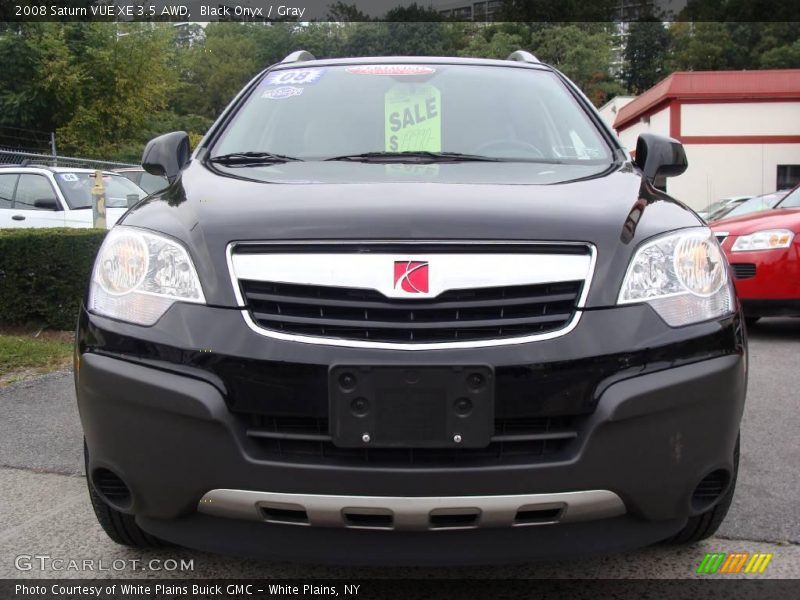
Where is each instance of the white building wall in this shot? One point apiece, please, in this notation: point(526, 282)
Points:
point(721, 170)
point(610, 109)
point(751, 118)
point(659, 124)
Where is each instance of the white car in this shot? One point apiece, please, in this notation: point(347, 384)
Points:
point(37, 196)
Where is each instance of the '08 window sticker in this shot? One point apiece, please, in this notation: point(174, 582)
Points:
point(294, 77)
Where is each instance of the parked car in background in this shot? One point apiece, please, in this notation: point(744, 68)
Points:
point(720, 204)
point(753, 205)
point(148, 182)
point(38, 196)
point(763, 250)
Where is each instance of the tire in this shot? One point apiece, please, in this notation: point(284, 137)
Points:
point(120, 527)
point(750, 321)
point(705, 525)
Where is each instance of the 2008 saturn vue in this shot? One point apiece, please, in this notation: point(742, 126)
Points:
point(411, 310)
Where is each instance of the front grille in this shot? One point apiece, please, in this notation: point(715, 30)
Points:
point(744, 270)
point(455, 315)
point(531, 439)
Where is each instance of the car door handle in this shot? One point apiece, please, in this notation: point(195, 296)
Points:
point(18, 217)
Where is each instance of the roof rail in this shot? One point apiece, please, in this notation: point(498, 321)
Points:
point(522, 56)
point(298, 56)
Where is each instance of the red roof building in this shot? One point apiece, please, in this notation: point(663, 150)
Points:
point(741, 130)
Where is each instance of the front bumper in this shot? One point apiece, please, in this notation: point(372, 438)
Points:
point(661, 413)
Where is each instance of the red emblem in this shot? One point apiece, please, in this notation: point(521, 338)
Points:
point(411, 276)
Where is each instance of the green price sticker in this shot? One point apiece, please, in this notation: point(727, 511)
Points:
point(413, 118)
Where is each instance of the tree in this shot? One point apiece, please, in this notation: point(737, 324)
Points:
point(341, 12)
point(583, 52)
point(126, 78)
point(39, 82)
point(646, 51)
point(499, 44)
point(782, 57)
point(706, 46)
point(220, 67)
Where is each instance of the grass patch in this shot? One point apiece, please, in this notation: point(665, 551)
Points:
point(25, 352)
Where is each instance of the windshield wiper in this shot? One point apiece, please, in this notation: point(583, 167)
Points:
point(252, 158)
point(415, 156)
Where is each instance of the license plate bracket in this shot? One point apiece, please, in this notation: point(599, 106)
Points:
point(411, 407)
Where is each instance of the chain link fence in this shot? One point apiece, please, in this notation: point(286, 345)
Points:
point(13, 156)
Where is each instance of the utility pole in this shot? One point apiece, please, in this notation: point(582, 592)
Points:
point(99, 201)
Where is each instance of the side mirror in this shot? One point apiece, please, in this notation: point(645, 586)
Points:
point(46, 204)
point(131, 199)
point(660, 157)
point(166, 155)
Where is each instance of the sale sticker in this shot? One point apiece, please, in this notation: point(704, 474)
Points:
point(413, 118)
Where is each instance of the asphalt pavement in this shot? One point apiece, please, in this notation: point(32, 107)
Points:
point(44, 507)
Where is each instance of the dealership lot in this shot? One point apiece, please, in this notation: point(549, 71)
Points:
point(44, 508)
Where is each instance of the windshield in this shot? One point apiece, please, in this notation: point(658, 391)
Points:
point(504, 113)
point(755, 205)
point(77, 189)
point(715, 206)
point(792, 200)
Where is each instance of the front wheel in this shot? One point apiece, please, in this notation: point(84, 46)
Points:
point(705, 525)
point(120, 527)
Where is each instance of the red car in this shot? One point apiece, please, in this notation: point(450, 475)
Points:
point(764, 252)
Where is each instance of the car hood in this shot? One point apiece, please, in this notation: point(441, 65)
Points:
point(614, 211)
point(776, 218)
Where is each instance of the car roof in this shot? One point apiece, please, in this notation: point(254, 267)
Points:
point(410, 60)
point(39, 168)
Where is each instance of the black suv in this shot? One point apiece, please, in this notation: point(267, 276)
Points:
point(411, 310)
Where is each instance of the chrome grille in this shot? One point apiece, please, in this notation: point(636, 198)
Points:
point(472, 293)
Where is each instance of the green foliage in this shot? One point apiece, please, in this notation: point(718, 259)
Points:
point(127, 78)
point(23, 350)
point(220, 67)
point(725, 46)
point(646, 53)
point(784, 57)
point(39, 83)
point(44, 274)
point(107, 88)
point(583, 52)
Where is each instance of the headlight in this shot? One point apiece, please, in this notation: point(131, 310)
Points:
point(137, 276)
point(683, 276)
point(770, 239)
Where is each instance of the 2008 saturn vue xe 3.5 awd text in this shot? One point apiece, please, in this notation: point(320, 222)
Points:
point(410, 310)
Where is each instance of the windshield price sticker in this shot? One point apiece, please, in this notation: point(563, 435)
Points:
point(294, 77)
point(413, 118)
point(282, 93)
point(391, 70)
